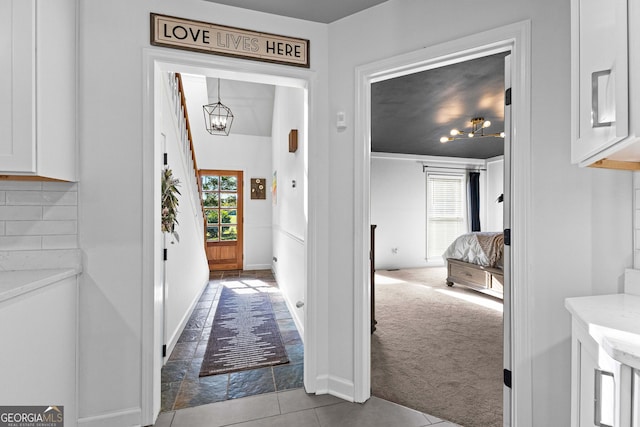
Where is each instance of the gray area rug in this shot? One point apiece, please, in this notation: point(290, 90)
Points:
point(244, 335)
point(435, 351)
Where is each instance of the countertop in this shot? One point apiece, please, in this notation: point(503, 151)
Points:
point(614, 323)
point(19, 282)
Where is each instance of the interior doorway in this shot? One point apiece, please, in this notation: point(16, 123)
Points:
point(450, 197)
point(158, 63)
point(514, 38)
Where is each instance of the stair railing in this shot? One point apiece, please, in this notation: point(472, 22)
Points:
point(180, 108)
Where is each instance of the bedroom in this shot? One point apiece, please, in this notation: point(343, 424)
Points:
point(409, 165)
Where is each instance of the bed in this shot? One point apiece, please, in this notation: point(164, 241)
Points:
point(475, 260)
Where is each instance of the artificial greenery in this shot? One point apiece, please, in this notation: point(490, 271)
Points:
point(170, 202)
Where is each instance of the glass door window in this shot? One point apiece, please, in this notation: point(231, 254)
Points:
point(220, 199)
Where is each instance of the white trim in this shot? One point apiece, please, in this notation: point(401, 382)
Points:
point(250, 267)
point(440, 160)
point(335, 386)
point(499, 158)
point(155, 62)
point(127, 417)
point(173, 340)
point(288, 234)
point(517, 39)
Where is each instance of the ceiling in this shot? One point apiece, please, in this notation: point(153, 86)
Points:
point(324, 11)
point(410, 114)
point(251, 104)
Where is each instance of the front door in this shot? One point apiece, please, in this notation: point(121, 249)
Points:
point(222, 200)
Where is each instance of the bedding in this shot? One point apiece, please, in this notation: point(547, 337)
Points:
point(480, 248)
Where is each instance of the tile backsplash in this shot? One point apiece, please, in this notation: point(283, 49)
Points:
point(38, 225)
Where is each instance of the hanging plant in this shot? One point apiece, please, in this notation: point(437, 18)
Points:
point(170, 202)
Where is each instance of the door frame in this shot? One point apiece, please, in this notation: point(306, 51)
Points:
point(517, 39)
point(239, 207)
point(157, 62)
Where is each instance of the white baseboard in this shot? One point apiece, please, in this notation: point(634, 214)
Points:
point(250, 267)
point(173, 340)
point(295, 315)
point(335, 386)
point(125, 418)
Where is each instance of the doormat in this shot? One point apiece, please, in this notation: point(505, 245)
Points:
point(244, 335)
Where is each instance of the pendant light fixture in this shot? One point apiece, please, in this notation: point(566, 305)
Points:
point(478, 125)
point(217, 117)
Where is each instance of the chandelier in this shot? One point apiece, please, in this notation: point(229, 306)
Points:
point(478, 125)
point(217, 117)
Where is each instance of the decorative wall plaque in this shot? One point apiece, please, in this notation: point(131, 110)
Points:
point(293, 140)
point(258, 188)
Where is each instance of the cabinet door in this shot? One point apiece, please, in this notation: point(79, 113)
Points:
point(600, 110)
point(587, 364)
point(17, 87)
point(56, 89)
point(601, 386)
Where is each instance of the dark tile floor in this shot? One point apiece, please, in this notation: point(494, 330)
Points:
point(181, 385)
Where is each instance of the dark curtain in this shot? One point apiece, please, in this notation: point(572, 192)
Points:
point(474, 200)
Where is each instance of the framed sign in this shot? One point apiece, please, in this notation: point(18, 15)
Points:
point(198, 36)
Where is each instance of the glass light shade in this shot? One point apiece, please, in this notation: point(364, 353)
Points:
point(454, 132)
point(486, 124)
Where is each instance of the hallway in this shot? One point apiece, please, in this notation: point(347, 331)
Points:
point(271, 396)
point(181, 385)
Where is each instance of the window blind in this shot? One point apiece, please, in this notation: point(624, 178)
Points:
point(446, 211)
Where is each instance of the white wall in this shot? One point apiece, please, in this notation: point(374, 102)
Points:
point(398, 208)
point(248, 153)
point(580, 218)
point(186, 269)
point(398, 205)
point(111, 221)
point(289, 213)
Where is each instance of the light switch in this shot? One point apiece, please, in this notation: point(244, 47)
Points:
point(341, 122)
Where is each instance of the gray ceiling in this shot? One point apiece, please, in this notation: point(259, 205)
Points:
point(324, 11)
point(410, 114)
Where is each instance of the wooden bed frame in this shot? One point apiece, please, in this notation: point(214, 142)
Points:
point(483, 279)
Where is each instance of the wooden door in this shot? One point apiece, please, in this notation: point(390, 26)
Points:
point(222, 199)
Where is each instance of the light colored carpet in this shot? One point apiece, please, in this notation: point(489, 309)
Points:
point(434, 350)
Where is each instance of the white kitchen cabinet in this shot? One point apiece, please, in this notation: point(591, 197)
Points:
point(601, 386)
point(39, 333)
point(605, 80)
point(38, 91)
point(605, 360)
